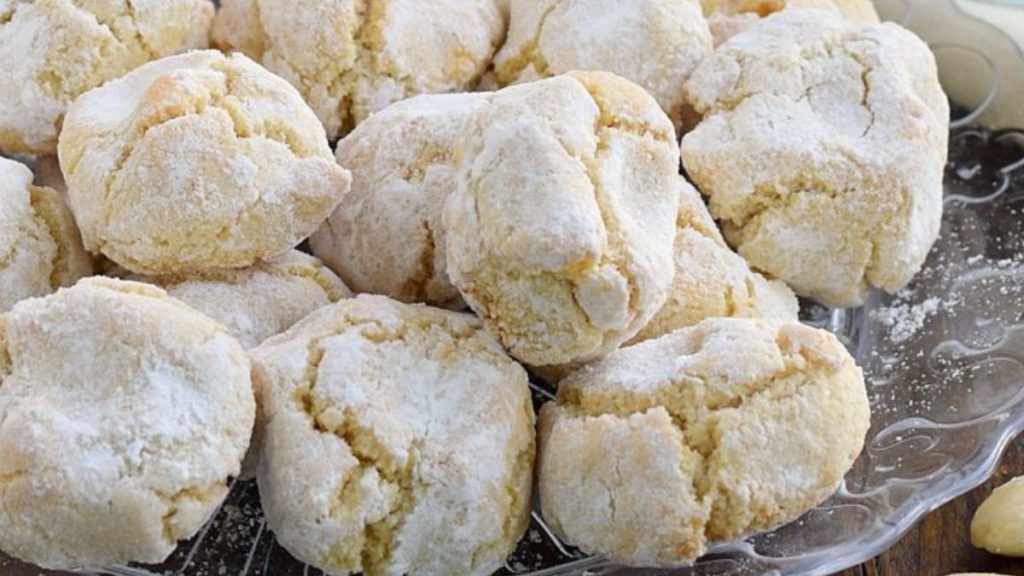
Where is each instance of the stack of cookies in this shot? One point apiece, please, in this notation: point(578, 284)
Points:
point(623, 199)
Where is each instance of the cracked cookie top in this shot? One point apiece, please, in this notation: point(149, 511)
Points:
point(123, 413)
point(351, 58)
point(52, 51)
point(711, 280)
point(195, 162)
point(654, 43)
point(258, 302)
point(727, 18)
point(387, 236)
point(822, 151)
point(711, 433)
point(559, 232)
point(40, 248)
point(397, 439)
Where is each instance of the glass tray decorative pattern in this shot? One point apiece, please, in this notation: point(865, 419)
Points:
point(944, 360)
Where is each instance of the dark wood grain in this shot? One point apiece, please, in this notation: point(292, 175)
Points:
point(941, 544)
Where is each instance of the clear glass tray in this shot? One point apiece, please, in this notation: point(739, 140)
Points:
point(944, 360)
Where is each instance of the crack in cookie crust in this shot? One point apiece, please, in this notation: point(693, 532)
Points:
point(510, 66)
point(373, 549)
point(5, 354)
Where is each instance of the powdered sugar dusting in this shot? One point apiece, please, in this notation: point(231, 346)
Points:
point(904, 319)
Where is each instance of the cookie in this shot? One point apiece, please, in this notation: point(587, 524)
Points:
point(709, 434)
point(40, 247)
point(559, 231)
point(258, 302)
point(387, 235)
point(726, 18)
point(196, 162)
point(55, 50)
point(654, 43)
point(822, 151)
point(48, 175)
point(711, 280)
point(351, 59)
point(200, 25)
point(998, 525)
point(123, 414)
point(397, 439)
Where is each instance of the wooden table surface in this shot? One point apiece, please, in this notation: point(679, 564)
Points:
point(941, 544)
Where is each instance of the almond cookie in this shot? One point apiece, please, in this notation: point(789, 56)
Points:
point(196, 162)
point(822, 151)
point(350, 59)
point(711, 433)
point(559, 231)
point(123, 413)
point(386, 237)
point(998, 525)
point(258, 302)
point(200, 25)
point(654, 43)
point(397, 439)
point(40, 248)
point(711, 280)
point(52, 51)
point(726, 18)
